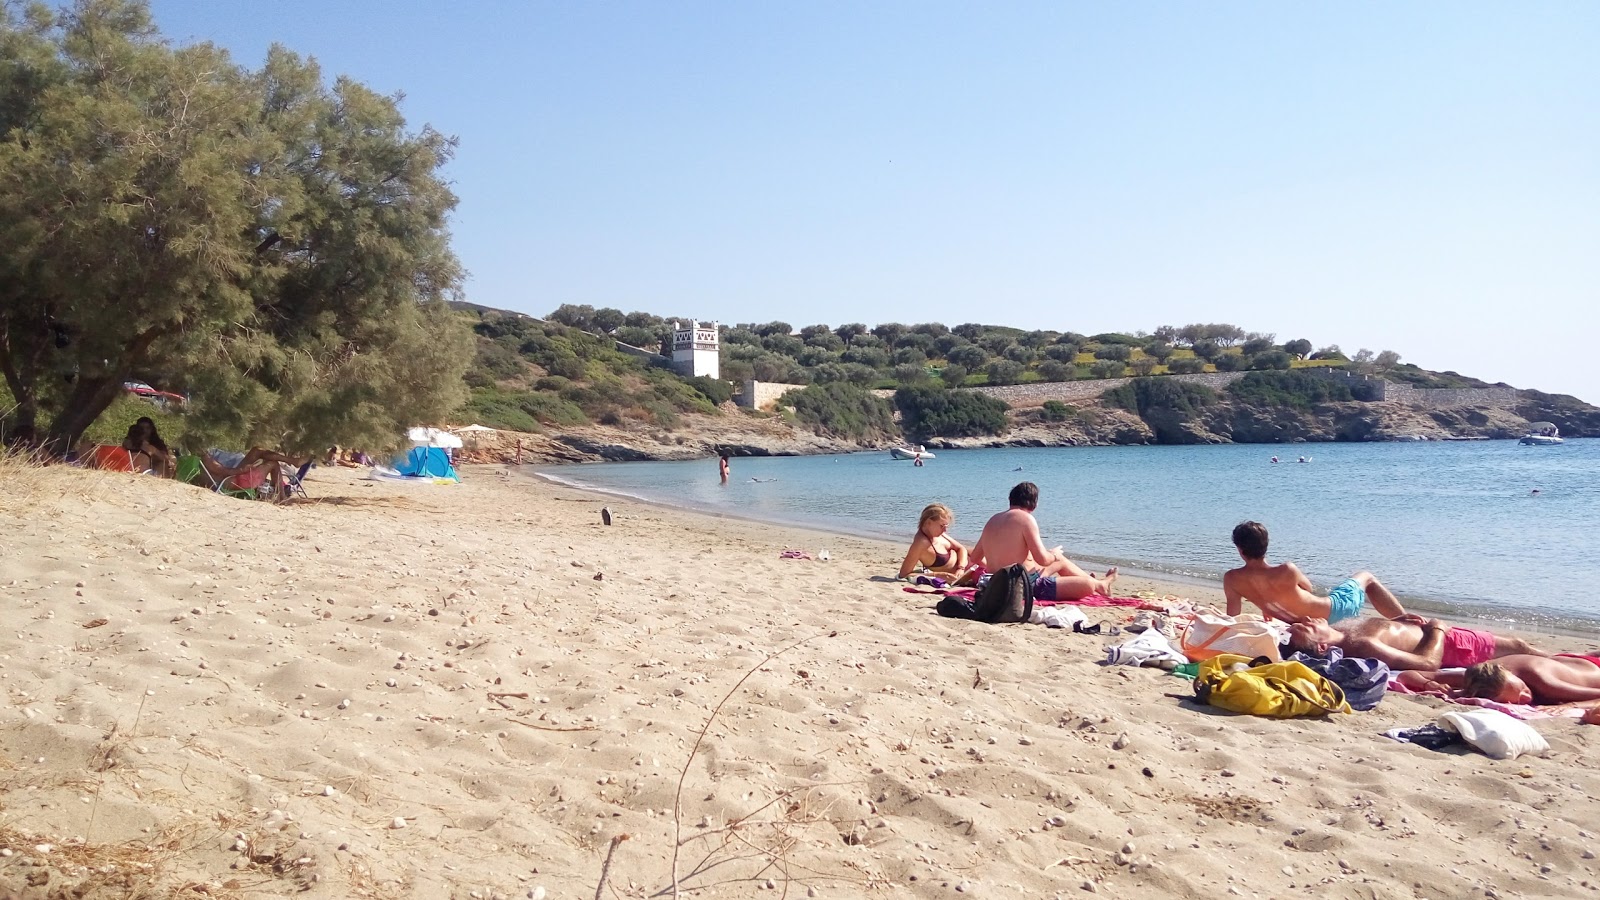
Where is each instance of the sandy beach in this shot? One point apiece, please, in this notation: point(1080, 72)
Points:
point(481, 691)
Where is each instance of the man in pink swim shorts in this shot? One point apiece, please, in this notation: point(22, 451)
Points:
point(1409, 642)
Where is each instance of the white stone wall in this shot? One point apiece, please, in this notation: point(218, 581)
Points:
point(763, 394)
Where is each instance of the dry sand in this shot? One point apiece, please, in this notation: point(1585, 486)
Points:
point(208, 697)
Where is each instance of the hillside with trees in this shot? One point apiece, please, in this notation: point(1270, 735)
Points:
point(271, 246)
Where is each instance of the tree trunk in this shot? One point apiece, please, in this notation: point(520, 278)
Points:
point(89, 399)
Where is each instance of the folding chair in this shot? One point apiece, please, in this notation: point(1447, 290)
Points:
point(295, 482)
point(192, 471)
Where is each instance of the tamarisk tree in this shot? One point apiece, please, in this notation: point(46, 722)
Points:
point(273, 246)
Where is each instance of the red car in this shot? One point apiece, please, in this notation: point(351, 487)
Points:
point(162, 399)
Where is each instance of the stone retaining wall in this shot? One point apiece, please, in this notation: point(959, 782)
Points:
point(1037, 392)
point(763, 394)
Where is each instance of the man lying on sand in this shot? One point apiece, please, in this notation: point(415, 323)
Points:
point(1013, 537)
point(1520, 678)
point(1284, 592)
point(1409, 642)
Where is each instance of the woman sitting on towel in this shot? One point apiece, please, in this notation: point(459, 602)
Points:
point(933, 548)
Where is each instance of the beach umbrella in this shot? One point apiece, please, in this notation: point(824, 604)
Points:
point(473, 432)
point(433, 437)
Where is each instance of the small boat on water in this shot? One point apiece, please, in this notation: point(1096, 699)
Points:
point(1540, 434)
point(910, 452)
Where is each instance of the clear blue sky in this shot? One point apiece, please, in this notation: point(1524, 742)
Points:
point(1422, 177)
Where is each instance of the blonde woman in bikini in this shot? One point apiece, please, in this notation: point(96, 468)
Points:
point(933, 548)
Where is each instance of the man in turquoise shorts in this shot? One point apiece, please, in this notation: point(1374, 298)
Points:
point(1284, 592)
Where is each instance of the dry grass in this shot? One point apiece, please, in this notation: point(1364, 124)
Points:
point(31, 483)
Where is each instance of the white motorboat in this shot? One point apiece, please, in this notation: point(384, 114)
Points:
point(910, 452)
point(1541, 433)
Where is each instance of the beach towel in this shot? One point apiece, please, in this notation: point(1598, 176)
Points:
point(1516, 710)
point(794, 554)
point(967, 593)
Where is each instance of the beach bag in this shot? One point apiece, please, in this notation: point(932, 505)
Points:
point(1279, 690)
point(1004, 597)
point(1007, 597)
point(1364, 681)
point(1210, 635)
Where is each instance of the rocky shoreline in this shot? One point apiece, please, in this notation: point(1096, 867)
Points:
point(744, 434)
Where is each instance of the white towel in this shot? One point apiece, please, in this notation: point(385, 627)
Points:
point(1148, 648)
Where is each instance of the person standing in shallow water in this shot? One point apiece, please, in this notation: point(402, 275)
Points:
point(723, 467)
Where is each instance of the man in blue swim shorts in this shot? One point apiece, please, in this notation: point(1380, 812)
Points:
point(1284, 592)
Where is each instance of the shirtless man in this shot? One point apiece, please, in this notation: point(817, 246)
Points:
point(1521, 678)
point(1013, 537)
point(1284, 592)
point(1409, 642)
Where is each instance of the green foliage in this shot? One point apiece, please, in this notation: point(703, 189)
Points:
point(112, 426)
point(1298, 348)
point(1141, 395)
point(1108, 368)
point(1051, 370)
point(1003, 371)
point(842, 410)
point(1272, 359)
point(953, 375)
point(1295, 388)
point(1186, 365)
point(928, 411)
point(714, 389)
point(521, 410)
point(1118, 352)
point(1228, 361)
point(1056, 411)
point(1116, 338)
point(272, 245)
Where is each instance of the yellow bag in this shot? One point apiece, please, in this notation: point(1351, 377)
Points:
point(1281, 690)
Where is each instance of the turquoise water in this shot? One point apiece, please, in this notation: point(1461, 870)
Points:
point(1452, 526)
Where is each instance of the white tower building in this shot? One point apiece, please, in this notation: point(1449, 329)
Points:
point(694, 349)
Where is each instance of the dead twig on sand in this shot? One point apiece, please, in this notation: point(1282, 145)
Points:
point(683, 774)
point(496, 695)
point(605, 867)
point(553, 727)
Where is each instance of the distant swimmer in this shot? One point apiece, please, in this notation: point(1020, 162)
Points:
point(1305, 459)
point(1019, 469)
point(1274, 459)
point(1535, 491)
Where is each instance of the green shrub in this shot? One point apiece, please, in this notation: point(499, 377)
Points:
point(1108, 368)
point(935, 411)
point(1144, 394)
point(1056, 411)
point(1185, 365)
point(843, 410)
point(1294, 388)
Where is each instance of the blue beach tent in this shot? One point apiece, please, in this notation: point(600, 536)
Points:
point(426, 462)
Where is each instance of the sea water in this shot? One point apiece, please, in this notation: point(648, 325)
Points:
point(1487, 529)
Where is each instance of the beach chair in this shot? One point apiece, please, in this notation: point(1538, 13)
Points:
point(192, 471)
point(295, 482)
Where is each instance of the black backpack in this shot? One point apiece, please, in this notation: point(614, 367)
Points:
point(1006, 597)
